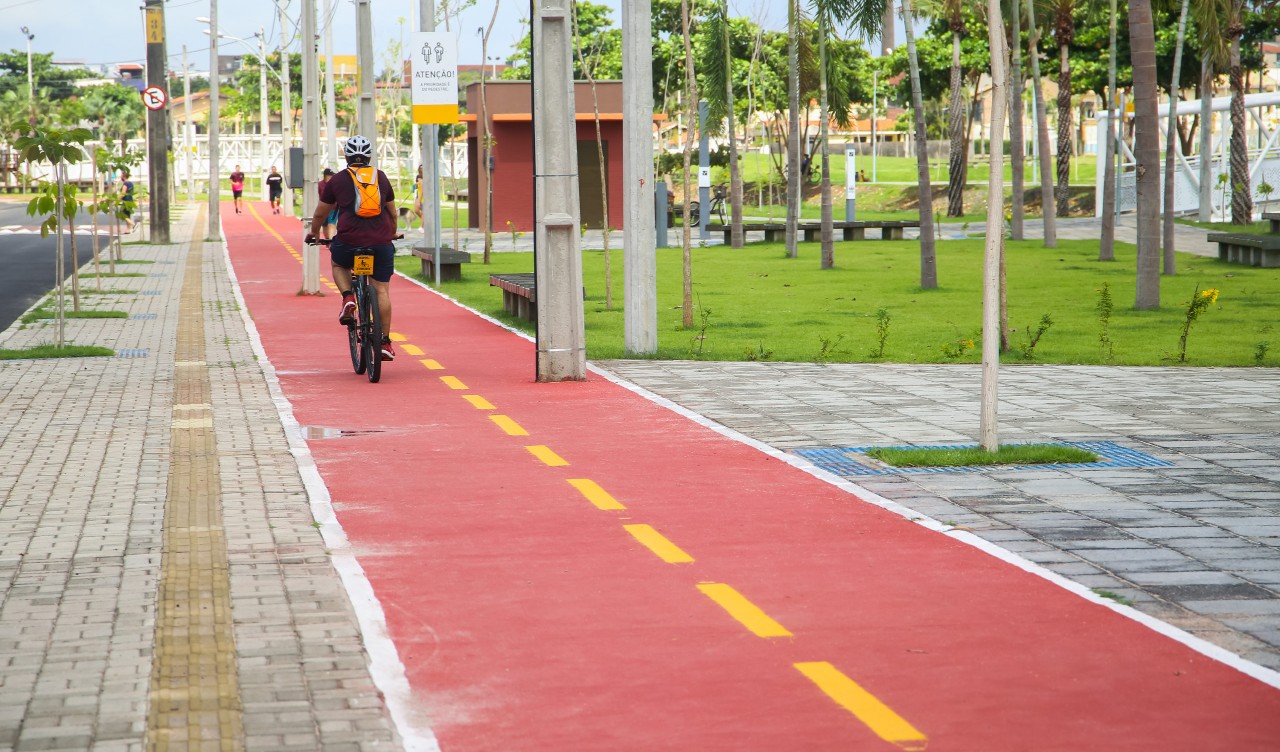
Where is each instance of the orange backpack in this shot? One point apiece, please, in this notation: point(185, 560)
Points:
point(368, 197)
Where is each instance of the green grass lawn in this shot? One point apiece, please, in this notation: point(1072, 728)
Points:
point(764, 305)
point(757, 168)
point(1006, 454)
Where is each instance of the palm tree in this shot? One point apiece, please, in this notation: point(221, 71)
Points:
point(1106, 249)
point(1170, 143)
point(1142, 46)
point(1047, 205)
point(691, 106)
point(1064, 33)
point(1241, 194)
point(928, 255)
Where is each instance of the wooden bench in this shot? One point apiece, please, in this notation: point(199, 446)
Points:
point(1253, 250)
point(775, 231)
point(519, 295)
point(451, 262)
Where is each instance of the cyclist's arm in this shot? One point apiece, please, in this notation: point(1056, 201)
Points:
point(393, 213)
point(318, 219)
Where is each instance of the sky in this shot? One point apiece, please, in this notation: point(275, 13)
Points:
point(109, 32)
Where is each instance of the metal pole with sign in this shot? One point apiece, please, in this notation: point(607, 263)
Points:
point(435, 102)
point(850, 182)
point(704, 169)
point(157, 123)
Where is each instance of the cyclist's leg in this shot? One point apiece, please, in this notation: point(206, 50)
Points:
point(384, 304)
point(384, 260)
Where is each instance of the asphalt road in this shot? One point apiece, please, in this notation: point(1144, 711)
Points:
point(28, 261)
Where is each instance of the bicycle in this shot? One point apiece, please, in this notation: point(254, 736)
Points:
point(364, 335)
point(718, 195)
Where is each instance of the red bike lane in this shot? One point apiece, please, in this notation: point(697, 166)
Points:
point(573, 567)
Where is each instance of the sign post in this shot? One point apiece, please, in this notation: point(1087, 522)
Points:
point(435, 102)
point(850, 182)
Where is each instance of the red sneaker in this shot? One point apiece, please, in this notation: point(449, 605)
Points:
point(348, 315)
point(387, 352)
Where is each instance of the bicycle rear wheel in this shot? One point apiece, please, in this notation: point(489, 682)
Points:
point(357, 333)
point(372, 316)
point(353, 343)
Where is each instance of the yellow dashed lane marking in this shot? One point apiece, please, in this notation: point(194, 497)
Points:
point(595, 494)
point(412, 350)
point(452, 382)
point(878, 717)
point(398, 337)
point(658, 543)
point(548, 457)
point(431, 364)
point(478, 402)
point(510, 426)
point(743, 610)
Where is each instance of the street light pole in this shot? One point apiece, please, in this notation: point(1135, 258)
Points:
point(264, 110)
point(366, 120)
point(310, 140)
point(186, 125)
point(31, 84)
point(286, 104)
point(330, 116)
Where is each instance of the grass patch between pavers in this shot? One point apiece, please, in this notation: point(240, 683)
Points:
point(53, 351)
point(131, 261)
point(44, 312)
point(91, 275)
point(1013, 454)
point(765, 306)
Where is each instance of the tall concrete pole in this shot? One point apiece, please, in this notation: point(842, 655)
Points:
point(428, 142)
point(640, 268)
point(366, 67)
point(310, 141)
point(561, 340)
point(286, 102)
point(330, 100)
point(264, 109)
point(157, 125)
point(186, 125)
point(886, 35)
point(215, 88)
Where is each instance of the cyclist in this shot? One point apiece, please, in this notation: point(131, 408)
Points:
point(355, 231)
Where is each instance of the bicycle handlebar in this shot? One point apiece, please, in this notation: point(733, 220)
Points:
point(327, 241)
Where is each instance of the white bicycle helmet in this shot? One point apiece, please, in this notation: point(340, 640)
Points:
point(358, 149)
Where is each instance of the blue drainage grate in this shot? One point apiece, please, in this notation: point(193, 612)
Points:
point(143, 316)
point(150, 292)
point(853, 461)
point(132, 353)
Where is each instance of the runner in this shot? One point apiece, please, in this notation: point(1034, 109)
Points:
point(330, 222)
point(126, 195)
point(275, 188)
point(237, 186)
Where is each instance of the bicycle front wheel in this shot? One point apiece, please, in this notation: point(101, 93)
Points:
point(372, 317)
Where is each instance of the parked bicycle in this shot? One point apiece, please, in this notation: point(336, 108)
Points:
point(718, 195)
point(364, 334)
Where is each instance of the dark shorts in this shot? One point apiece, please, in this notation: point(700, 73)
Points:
point(384, 258)
point(275, 192)
point(235, 193)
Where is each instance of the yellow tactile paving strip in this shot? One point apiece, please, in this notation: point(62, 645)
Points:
point(195, 701)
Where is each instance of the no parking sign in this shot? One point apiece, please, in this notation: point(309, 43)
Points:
point(154, 97)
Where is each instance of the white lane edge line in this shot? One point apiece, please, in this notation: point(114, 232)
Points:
point(385, 666)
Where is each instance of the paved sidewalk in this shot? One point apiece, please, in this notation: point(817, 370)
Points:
point(92, 650)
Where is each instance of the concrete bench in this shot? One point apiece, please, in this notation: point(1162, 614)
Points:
point(775, 231)
point(1274, 219)
point(451, 262)
point(1253, 250)
point(519, 295)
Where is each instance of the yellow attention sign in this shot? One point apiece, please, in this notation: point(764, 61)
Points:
point(435, 78)
point(155, 25)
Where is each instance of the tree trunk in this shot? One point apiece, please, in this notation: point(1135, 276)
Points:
point(1065, 141)
point(956, 129)
point(794, 189)
point(1106, 250)
point(59, 265)
point(1017, 146)
point(1047, 204)
point(1241, 192)
point(691, 108)
point(604, 173)
point(736, 239)
point(828, 243)
point(1206, 140)
point(1142, 44)
point(989, 433)
point(928, 258)
point(1171, 142)
point(97, 262)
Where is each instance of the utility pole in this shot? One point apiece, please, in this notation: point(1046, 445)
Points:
point(640, 270)
point(264, 109)
point(557, 264)
point(157, 125)
point(215, 85)
point(428, 142)
point(310, 141)
point(366, 68)
point(330, 101)
point(286, 103)
point(186, 125)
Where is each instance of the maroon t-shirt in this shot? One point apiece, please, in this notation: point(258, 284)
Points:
point(352, 228)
